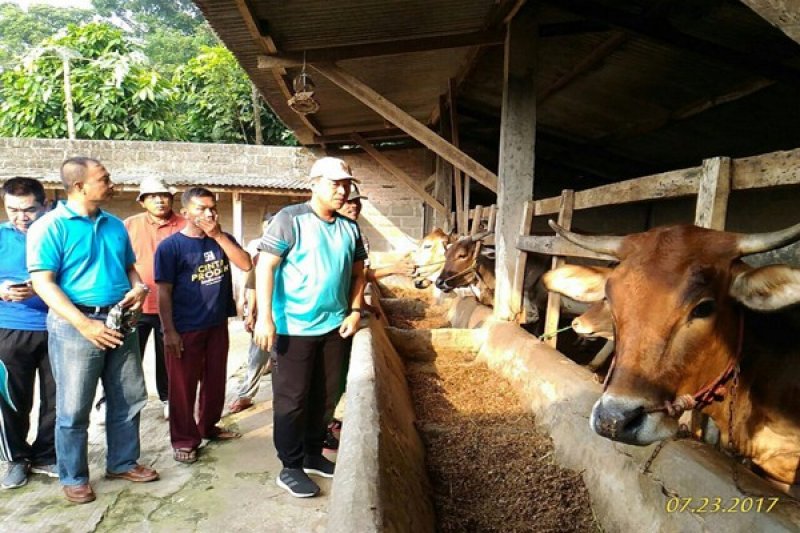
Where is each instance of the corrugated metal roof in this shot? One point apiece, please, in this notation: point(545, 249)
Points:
point(126, 180)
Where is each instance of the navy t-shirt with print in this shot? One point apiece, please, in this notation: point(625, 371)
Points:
point(200, 274)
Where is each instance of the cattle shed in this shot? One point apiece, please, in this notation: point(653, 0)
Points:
point(612, 116)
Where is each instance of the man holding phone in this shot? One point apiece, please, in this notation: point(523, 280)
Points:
point(23, 343)
point(82, 265)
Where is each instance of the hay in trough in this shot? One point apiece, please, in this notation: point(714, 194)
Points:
point(490, 469)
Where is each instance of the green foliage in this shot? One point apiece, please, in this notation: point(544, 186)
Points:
point(217, 101)
point(115, 94)
point(145, 16)
point(20, 30)
point(191, 88)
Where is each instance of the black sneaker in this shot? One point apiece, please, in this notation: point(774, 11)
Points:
point(297, 483)
point(318, 465)
point(330, 442)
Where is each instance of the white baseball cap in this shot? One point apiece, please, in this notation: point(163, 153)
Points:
point(331, 168)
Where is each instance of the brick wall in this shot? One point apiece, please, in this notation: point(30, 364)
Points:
point(391, 214)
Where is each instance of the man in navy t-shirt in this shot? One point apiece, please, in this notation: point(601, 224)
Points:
point(23, 344)
point(195, 299)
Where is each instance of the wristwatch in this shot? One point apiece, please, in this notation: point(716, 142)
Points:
point(142, 286)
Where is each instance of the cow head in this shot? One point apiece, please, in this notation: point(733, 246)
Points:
point(460, 262)
point(676, 299)
point(429, 257)
point(596, 322)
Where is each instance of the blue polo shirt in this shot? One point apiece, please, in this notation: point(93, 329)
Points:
point(90, 257)
point(311, 294)
point(27, 315)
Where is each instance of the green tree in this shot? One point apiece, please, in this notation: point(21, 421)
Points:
point(115, 94)
point(20, 29)
point(217, 104)
point(144, 16)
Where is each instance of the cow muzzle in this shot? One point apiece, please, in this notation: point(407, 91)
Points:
point(624, 419)
point(442, 285)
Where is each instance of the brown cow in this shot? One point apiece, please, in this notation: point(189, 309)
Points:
point(429, 257)
point(696, 328)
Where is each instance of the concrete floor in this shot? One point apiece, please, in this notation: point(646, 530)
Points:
point(230, 489)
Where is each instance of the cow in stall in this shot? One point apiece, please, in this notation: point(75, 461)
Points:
point(697, 328)
point(469, 264)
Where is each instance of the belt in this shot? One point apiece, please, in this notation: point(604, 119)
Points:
point(94, 309)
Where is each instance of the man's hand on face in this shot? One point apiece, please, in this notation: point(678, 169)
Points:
point(209, 227)
point(15, 292)
point(102, 337)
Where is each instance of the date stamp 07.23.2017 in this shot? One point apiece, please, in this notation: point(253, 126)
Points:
point(748, 504)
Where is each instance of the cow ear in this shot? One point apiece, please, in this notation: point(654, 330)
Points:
point(581, 283)
point(768, 288)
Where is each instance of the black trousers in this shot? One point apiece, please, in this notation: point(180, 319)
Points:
point(146, 324)
point(305, 385)
point(24, 353)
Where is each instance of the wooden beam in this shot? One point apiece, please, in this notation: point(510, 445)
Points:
point(597, 56)
point(238, 217)
point(671, 184)
point(555, 245)
point(407, 123)
point(517, 156)
point(385, 48)
point(712, 197)
point(780, 13)
point(398, 173)
point(553, 313)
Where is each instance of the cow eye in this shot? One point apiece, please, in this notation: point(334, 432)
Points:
point(704, 309)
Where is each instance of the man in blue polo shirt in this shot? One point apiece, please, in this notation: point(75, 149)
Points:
point(81, 264)
point(23, 343)
point(309, 286)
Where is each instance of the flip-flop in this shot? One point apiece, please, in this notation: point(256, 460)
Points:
point(185, 455)
point(226, 435)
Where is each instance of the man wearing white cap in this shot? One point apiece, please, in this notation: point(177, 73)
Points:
point(146, 231)
point(309, 286)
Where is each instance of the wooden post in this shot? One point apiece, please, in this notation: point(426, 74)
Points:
point(238, 218)
point(712, 196)
point(711, 212)
point(476, 220)
point(515, 300)
point(517, 140)
point(554, 299)
point(443, 192)
point(459, 178)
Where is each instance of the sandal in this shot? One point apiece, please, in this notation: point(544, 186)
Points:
point(185, 455)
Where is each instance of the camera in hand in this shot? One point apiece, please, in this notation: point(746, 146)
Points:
point(122, 319)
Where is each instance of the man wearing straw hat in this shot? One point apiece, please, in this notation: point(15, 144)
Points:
point(146, 231)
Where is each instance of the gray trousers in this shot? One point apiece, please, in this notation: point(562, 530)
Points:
point(257, 360)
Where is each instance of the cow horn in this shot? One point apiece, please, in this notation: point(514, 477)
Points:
point(603, 244)
point(754, 243)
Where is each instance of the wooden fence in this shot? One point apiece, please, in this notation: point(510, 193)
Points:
point(712, 183)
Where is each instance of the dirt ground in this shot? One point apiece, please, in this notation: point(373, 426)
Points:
point(489, 467)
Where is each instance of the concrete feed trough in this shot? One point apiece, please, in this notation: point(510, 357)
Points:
point(381, 482)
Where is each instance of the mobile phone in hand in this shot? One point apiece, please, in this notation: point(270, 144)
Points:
point(20, 285)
